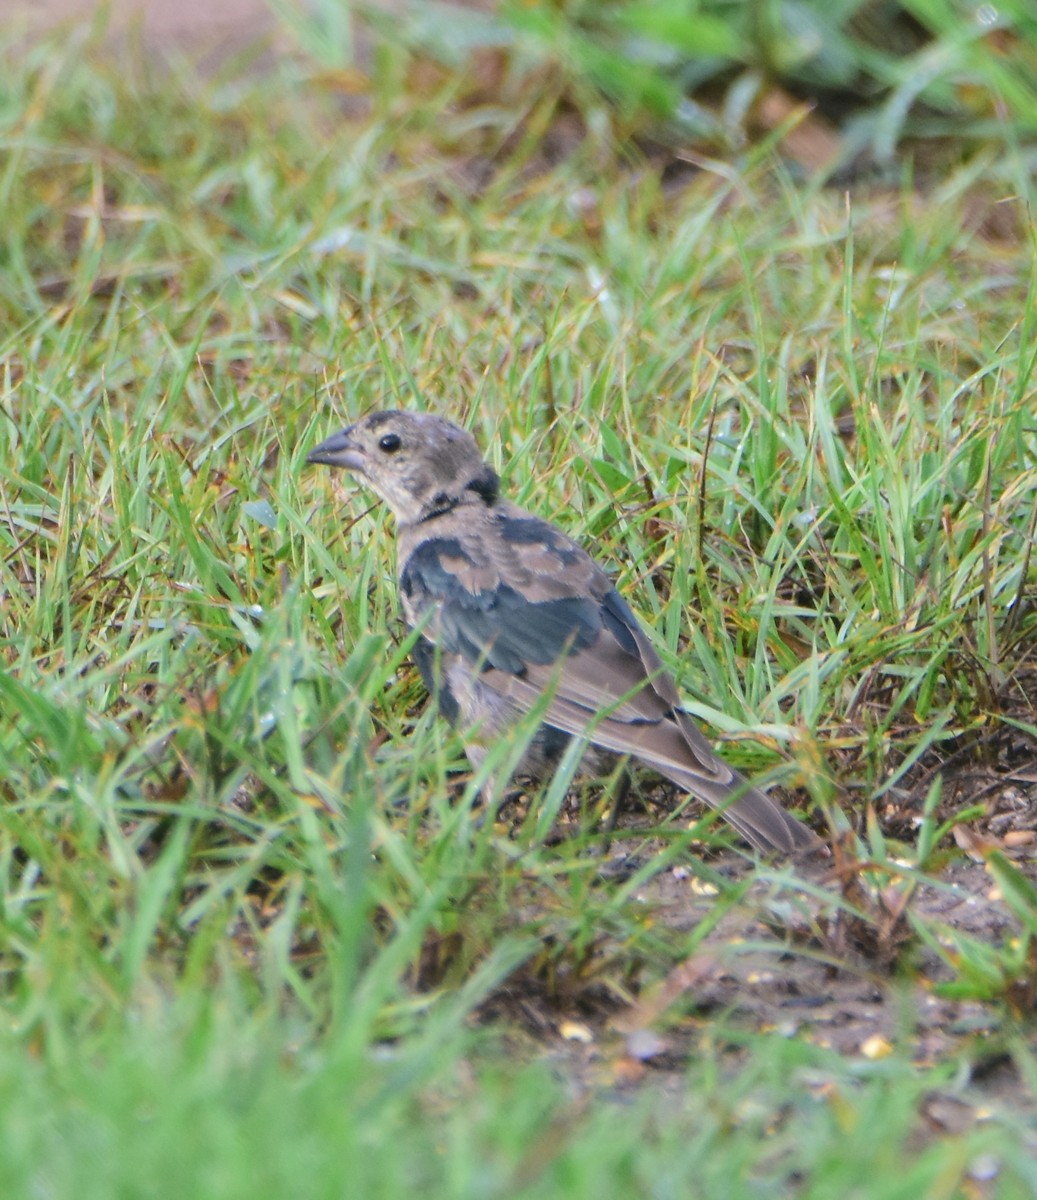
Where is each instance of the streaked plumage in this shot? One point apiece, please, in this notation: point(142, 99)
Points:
point(510, 608)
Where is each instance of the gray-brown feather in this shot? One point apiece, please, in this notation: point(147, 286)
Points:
point(618, 692)
point(510, 609)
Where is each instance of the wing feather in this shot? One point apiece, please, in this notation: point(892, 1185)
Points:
point(531, 612)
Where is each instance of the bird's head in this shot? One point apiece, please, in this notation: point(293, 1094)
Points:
point(418, 463)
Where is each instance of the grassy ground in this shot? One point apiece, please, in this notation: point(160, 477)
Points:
point(254, 936)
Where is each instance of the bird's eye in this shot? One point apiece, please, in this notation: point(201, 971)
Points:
point(390, 443)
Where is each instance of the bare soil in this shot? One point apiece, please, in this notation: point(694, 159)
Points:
point(189, 25)
point(784, 961)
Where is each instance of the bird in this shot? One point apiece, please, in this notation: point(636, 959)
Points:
point(509, 610)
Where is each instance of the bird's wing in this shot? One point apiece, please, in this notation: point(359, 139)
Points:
point(533, 613)
point(514, 596)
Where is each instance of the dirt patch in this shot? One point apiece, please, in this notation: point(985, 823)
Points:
point(849, 1006)
point(187, 24)
point(786, 960)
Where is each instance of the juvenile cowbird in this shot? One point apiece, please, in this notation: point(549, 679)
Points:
point(510, 608)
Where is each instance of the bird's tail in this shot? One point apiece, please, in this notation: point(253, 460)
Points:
point(762, 822)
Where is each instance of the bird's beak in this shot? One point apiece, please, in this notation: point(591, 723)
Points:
point(338, 451)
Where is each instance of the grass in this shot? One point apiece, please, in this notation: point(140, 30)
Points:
point(254, 933)
point(849, 90)
point(208, 1107)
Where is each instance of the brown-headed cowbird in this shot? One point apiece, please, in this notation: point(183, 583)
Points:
point(511, 609)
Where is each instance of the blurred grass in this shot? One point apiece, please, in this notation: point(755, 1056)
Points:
point(865, 82)
point(243, 911)
point(200, 1103)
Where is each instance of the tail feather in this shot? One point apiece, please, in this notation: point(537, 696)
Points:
point(762, 822)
